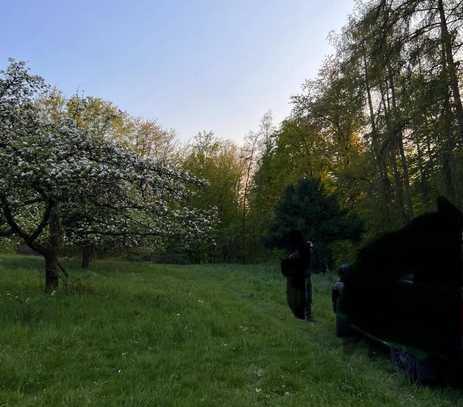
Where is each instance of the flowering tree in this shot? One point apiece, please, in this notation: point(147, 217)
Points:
point(103, 120)
point(61, 184)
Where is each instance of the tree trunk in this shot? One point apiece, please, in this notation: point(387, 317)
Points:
point(51, 253)
point(399, 189)
point(448, 140)
point(386, 190)
point(87, 256)
point(390, 149)
point(245, 196)
point(406, 176)
point(424, 184)
point(51, 272)
point(451, 68)
point(447, 156)
point(398, 134)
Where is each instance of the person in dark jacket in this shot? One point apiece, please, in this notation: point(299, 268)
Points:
point(296, 269)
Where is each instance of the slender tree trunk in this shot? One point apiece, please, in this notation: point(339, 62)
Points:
point(447, 154)
point(391, 147)
point(448, 139)
point(51, 253)
point(418, 135)
point(424, 185)
point(451, 68)
point(399, 188)
point(406, 176)
point(398, 134)
point(390, 150)
point(245, 196)
point(88, 252)
point(386, 190)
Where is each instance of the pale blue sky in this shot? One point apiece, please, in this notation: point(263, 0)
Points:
point(192, 65)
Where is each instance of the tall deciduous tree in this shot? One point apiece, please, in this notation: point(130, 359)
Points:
point(218, 163)
point(104, 121)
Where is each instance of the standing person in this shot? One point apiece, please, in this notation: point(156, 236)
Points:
point(296, 269)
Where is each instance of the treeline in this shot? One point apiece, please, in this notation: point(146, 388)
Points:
point(381, 124)
point(380, 128)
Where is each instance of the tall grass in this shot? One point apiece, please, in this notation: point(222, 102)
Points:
point(137, 334)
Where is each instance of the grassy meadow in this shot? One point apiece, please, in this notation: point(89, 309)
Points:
point(138, 334)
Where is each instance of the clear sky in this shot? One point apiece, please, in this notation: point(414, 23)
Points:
point(191, 64)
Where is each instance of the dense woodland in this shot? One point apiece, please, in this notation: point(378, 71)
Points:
point(379, 132)
point(381, 126)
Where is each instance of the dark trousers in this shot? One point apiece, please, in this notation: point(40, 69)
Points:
point(299, 295)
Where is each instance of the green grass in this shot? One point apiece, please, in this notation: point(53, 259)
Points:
point(137, 334)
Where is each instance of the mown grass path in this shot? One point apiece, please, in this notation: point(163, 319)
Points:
point(137, 334)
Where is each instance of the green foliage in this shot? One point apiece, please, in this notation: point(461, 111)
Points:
point(308, 207)
point(8, 246)
point(380, 125)
point(382, 122)
point(218, 163)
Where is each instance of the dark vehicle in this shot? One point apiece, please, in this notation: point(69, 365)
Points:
point(421, 326)
point(404, 290)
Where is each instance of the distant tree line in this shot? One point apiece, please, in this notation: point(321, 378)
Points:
point(382, 123)
point(379, 131)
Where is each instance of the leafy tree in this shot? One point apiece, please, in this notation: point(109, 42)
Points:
point(104, 121)
point(218, 163)
point(256, 146)
point(385, 112)
point(61, 184)
point(308, 207)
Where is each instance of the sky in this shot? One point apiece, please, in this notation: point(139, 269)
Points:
point(192, 65)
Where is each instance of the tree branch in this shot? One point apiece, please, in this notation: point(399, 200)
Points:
point(6, 232)
point(16, 229)
point(60, 266)
point(43, 223)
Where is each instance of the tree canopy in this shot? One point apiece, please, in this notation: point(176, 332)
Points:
point(60, 183)
point(310, 209)
point(379, 127)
